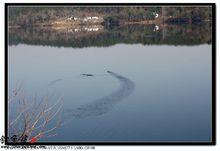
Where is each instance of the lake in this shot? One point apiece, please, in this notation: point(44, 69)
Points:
point(129, 84)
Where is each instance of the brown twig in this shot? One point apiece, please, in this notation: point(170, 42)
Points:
point(31, 114)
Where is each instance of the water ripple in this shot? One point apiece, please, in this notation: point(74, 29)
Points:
point(105, 104)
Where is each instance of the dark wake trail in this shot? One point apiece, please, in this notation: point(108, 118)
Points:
point(104, 104)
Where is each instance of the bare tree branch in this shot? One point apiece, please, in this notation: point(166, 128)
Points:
point(33, 118)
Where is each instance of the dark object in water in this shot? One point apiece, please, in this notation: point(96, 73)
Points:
point(87, 74)
point(103, 104)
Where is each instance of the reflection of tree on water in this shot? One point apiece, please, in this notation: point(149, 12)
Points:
point(131, 34)
point(105, 104)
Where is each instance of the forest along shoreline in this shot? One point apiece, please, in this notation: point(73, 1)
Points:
point(105, 17)
point(100, 22)
point(105, 26)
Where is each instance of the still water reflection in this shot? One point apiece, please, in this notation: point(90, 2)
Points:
point(85, 36)
point(126, 84)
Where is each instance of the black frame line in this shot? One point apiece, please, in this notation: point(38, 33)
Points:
point(212, 142)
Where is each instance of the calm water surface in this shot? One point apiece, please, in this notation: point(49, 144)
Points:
point(137, 92)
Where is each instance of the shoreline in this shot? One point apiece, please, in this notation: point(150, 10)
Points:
point(67, 24)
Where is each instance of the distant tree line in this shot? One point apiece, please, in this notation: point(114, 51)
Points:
point(28, 16)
